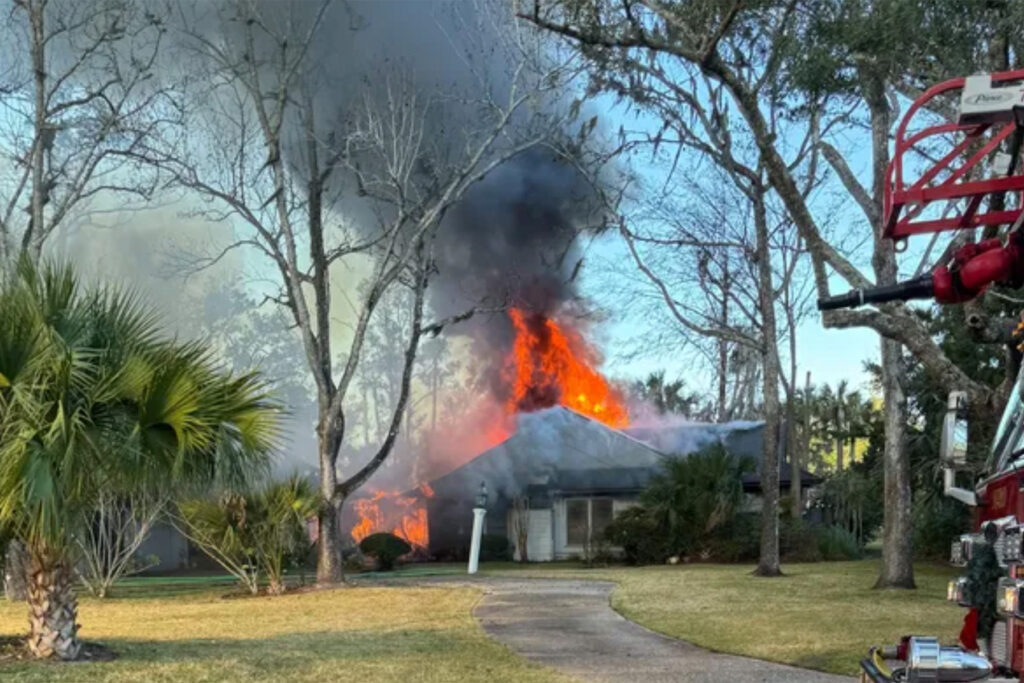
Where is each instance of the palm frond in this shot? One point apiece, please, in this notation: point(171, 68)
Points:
point(93, 400)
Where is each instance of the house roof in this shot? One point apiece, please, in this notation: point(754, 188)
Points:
point(744, 437)
point(560, 450)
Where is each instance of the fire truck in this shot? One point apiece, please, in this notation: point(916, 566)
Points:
point(964, 175)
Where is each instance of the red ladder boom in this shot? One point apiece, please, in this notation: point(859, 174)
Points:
point(988, 117)
point(976, 169)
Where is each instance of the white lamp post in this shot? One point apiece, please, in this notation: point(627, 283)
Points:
point(479, 510)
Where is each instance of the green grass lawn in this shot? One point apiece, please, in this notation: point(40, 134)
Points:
point(820, 616)
point(186, 631)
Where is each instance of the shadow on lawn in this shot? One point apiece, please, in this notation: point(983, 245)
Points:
point(260, 655)
point(321, 645)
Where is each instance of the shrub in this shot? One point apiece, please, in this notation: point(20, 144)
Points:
point(352, 560)
point(637, 532)
point(837, 543)
point(937, 521)
point(254, 532)
point(697, 497)
point(386, 548)
point(451, 553)
point(738, 541)
point(495, 548)
point(798, 541)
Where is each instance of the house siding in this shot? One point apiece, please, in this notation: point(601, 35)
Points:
point(539, 545)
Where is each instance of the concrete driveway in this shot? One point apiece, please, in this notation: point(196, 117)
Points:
point(570, 626)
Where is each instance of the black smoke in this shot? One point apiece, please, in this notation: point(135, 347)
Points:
point(515, 238)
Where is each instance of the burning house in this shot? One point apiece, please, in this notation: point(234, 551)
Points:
point(564, 463)
point(576, 474)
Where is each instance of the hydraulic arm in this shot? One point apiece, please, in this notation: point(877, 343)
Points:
point(973, 268)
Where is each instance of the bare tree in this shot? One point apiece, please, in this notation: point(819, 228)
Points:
point(369, 190)
point(731, 237)
point(109, 545)
point(671, 54)
point(80, 100)
point(521, 525)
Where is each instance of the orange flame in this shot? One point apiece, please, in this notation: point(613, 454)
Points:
point(549, 366)
point(390, 511)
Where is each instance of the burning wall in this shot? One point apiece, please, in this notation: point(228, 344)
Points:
point(402, 514)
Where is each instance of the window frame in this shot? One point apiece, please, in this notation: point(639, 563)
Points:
point(589, 500)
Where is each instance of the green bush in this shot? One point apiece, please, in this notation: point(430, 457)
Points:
point(738, 541)
point(352, 560)
point(837, 543)
point(937, 521)
point(495, 548)
point(696, 498)
point(637, 532)
point(386, 548)
point(798, 541)
point(262, 531)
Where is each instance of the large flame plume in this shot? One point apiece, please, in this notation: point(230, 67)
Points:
point(550, 365)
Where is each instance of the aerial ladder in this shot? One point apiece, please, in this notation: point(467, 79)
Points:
point(972, 186)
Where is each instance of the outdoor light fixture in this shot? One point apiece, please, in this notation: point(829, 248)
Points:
point(1008, 597)
point(481, 499)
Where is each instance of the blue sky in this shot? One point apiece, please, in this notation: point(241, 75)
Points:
point(830, 355)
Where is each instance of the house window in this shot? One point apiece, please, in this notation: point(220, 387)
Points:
point(600, 515)
point(576, 513)
point(586, 517)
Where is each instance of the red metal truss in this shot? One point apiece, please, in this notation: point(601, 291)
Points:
point(905, 201)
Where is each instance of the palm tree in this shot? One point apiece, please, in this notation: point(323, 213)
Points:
point(246, 533)
point(92, 400)
point(696, 495)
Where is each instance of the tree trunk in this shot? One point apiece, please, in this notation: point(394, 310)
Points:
point(897, 545)
point(802, 449)
point(34, 236)
point(16, 572)
point(792, 450)
point(841, 429)
point(328, 561)
point(723, 352)
point(768, 563)
point(53, 608)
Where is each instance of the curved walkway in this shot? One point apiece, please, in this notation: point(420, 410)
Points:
point(570, 626)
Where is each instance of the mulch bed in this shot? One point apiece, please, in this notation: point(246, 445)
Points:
point(13, 649)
